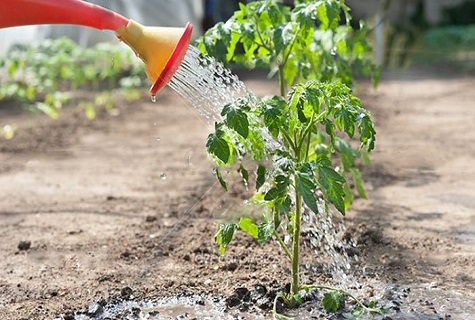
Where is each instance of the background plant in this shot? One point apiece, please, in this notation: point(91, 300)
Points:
point(302, 163)
point(41, 77)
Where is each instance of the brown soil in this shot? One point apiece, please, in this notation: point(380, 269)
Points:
point(92, 210)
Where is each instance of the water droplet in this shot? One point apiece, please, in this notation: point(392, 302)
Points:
point(153, 98)
point(189, 156)
point(163, 176)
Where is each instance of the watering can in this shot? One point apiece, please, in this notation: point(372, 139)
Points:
point(162, 49)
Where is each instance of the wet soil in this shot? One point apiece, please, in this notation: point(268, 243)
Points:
point(115, 218)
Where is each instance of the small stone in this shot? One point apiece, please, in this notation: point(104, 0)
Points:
point(259, 290)
point(242, 292)
point(24, 245)
point(126, 292)
point(231, 266)
point(94, 309)
point(150, 218)
point(233, 301)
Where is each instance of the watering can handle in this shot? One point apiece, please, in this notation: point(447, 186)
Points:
point(29, 12)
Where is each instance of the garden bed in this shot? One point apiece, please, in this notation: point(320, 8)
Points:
point(123, 208)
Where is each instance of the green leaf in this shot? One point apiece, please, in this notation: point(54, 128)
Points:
point(284, 206)
point(333, 301)
point(220, 179)
point(265, 231)
point(236, 119)
point(367, 132)
point(248, 226)
point(224, 235)
point(305, 14)
point(332, 183)
point(358, 181)
point(306, 185)
point(218, 146)
point(279, 191)
point(273, 110)
point(345, 120)
point(278, 39)
point(260, 176)
point(356, 314)
point(328, 13)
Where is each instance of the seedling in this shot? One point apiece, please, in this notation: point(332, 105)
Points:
point(40, 77)
point(301, 162)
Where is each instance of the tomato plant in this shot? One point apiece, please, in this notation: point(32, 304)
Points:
point(302, 162)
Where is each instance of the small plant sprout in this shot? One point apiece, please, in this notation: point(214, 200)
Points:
point(302, 162)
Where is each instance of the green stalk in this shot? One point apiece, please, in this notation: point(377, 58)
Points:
point(282, 80)
point(282, 245)
point(295, 284)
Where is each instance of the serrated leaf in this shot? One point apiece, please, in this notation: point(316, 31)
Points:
point(248, 226)
point(220, 179)
point(224, 235)
point(236, 119)
point(275, 14)
point(367, 132)
point(330, 130)
point(328, 13)
point(306, 185)
point(260, 176)
point(332, 183)
point(345, 120)
point(279, 191)
point(333, 301)
point(278, 40)
point(218, 146)
point(356, 314)
point(305, 14)
point(284, 206)
point(265, 231)
point(272, 111)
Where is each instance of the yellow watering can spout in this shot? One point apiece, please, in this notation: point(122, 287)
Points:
point(162, 49)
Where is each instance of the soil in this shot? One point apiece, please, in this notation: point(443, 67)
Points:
point(124, 208)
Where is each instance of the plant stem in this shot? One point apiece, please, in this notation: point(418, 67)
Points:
point(294, 286)
point(289, 140)
point(282, 80)
point(282, 245)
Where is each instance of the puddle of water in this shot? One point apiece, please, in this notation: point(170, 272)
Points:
point(418, 302)
point(178, 307)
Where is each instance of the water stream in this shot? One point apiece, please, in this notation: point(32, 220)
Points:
point(207, 85)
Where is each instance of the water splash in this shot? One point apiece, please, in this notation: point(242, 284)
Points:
point(325, 234)
point(207, 84)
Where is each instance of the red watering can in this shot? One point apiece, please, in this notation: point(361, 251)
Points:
point(161, 49)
